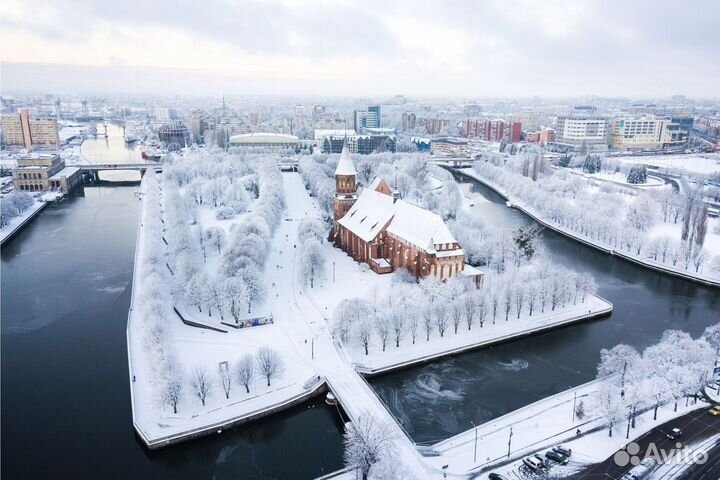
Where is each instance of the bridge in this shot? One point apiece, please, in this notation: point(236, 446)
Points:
point(94, 169)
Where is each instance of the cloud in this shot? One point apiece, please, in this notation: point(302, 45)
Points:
point(490, 47)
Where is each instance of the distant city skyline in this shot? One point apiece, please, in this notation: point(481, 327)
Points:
point(459, 48)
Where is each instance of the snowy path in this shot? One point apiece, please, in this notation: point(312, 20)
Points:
point(302, 319)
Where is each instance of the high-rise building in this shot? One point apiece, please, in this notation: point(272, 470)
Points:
point(408, 121)
point(318, 111)
point(433, 126)
point(370, 118)
point(577, 131)
point(492, 130)
point(19, 129)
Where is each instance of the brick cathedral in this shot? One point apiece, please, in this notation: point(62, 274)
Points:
point(388, 233)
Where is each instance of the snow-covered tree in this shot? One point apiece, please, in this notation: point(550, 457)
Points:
point(201, 384)
point(225, 374)
point(269, 363)
point(367, 441)
point(245, 371)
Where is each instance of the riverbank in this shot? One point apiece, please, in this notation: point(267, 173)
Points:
point(647, 263)
point(378, 362)
point(503, 442)
point(159, 425)
point(16, 224)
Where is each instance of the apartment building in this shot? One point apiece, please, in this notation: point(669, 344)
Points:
point(22, 130)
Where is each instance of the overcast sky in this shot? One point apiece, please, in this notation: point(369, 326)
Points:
point(488, 48)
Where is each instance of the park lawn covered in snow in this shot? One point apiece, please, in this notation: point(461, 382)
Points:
point(696, 163)
point(672, 230)
point(621, 179)
point(395, 357)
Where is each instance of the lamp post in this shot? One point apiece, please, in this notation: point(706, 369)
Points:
point(509, 442)
point(475, 453)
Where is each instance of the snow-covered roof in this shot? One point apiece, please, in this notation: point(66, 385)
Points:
point(375, 183)
point(470, 271)
point(369, 214)
point(419, 226)
point(264, 137)
point(322, 133)
point(65, 172)
point(422, 228)
point(345, 165)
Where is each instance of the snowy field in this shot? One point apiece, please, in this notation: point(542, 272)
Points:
point(620, 178)
point(696, 163)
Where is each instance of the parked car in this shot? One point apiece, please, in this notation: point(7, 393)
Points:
point(496, 476)
point(534, 464)
point(562, 450)
point(641, 470)
point(714, 411)
point(556, 457)
point(540, 459)
point(674, 434)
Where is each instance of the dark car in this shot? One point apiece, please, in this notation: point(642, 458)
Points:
point(556, 457)
point(674, 434)
point(496, 476)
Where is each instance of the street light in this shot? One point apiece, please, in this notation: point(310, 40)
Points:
point(475, 454)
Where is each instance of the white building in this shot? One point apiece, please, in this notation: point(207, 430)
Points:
point(265, 140)
point(582, 130)
point(646, 134)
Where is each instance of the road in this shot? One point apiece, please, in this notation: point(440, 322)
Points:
point(697, 426)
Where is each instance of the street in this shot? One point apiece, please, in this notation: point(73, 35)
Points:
point(697, 426)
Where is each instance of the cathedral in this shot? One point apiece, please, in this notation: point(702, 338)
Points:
point(374, 226)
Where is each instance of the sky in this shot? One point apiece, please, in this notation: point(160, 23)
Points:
point(483, 48)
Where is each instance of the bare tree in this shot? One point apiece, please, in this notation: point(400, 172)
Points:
point(364, 332)
point(269, 363)
point(172, 387)
point(441, 317)
point(367, 442)
point(470, 305)
point(398, 326)
point(427, 321)
point(225, 373)
point(456, 310)
point(201, 384)
point(245, 370)
point(382, 327)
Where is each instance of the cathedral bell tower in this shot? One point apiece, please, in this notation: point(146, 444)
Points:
point(345, 191)
point(345, 185)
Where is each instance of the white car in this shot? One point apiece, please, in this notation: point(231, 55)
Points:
point(641, 470)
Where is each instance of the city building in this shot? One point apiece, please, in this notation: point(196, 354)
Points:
point(578, 131)
point(318, 111)
point(547, 135)
point(22, 130)
point(174, 135)
point(492, 130)
point(408, 121)
point(265, 140)
point(433, 126)
point(43, 172)
point(449, 147)
point(646, 133)
point(387, 233)
point(369, 118)
point(367, 144)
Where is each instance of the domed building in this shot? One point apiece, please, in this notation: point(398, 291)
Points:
point(175, 135)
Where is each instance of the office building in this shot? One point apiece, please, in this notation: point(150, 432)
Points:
point(576, 131)
point(21, 130)
point(40, 173)
point(646, 133)
point(370, 118)
point(408, 121)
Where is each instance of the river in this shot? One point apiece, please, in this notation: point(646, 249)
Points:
point(65, 295)
point(438, 400)
point(65, 397)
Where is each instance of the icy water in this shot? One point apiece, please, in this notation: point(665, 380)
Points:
point(112, 149)
point(438, 400)
point(65, 295)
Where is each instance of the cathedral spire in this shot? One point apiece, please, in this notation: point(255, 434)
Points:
point(345, 165)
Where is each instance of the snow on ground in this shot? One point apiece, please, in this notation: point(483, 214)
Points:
point(196, 347)
point(621, 179)
point(543, 425)
point(16, 222)
point(702, 163)
point(437, 346)
point(672, 230)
